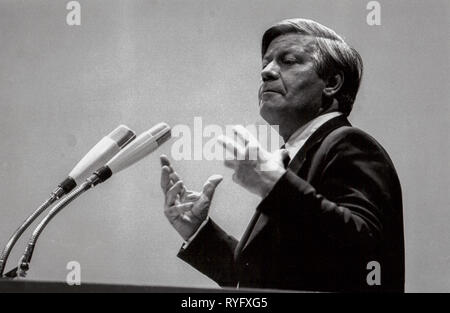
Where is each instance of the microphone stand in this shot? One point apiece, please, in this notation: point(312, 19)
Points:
point(24, 263)
point(55, 195)
point(144, 144)
point(104, 150)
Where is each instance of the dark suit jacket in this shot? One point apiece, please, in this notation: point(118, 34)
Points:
point(337, 208)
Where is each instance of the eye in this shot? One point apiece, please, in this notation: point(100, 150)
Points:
point(288, 59)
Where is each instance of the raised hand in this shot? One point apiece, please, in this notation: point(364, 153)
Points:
point(185, 209)
point(255, 169)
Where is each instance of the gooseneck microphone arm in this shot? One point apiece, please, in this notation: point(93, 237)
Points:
point(12, 241)
point(142, 146)
point(98, 177)
point(103, 151)
point(60, 191)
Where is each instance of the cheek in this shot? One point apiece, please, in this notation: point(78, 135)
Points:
point(306, 85)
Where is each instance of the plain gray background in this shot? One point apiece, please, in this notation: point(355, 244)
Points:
point(141, 62)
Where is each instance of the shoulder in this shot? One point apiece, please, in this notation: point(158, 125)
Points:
point(349, 134)
point(349, 140)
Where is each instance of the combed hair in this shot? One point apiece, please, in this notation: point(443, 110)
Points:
point(333, 55)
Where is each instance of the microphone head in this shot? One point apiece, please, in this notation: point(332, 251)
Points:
point(161, 132)
point(122, 135)
point(143, 145)
point(101, 153)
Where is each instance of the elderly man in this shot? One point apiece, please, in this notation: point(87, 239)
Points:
point(330, 217)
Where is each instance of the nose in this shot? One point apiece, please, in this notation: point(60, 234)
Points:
point(270, 72)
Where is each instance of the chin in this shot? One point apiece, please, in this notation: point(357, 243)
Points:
point(272, 114)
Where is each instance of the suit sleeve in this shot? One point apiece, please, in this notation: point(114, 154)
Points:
point(351, 196)
point(212, 253)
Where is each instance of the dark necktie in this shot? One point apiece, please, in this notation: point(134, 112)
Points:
point(286, 160)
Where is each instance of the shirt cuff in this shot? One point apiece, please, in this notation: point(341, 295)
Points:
point(190, 239)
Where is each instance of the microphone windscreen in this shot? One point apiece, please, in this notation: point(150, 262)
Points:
point(102, 152)
point(143, 145)
point(122, 135)
point(161, 132)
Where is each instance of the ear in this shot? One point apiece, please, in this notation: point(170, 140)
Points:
point(333, 84)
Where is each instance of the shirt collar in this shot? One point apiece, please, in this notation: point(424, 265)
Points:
point(299, 137)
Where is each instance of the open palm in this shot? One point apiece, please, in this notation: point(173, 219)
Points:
point(185, 209)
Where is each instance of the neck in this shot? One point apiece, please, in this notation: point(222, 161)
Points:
point(290, 128)
point(286, 130)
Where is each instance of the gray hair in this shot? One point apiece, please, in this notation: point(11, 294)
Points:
point(333, 55)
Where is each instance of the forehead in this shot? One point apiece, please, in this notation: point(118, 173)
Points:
point(292, 43)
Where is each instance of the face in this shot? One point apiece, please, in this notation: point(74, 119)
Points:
point(291, 91)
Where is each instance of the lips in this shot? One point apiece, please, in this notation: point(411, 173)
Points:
point(269, 92)
point(271, 89)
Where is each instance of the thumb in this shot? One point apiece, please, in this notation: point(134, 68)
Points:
point(210, 186)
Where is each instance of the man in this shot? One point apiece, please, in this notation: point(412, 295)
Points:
point(332, 219)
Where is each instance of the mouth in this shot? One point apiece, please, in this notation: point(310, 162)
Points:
point(269, 97)
point(272, 91)
point(267, 89)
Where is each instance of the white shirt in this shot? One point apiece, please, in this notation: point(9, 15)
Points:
point(293, 146)
point(299, 137)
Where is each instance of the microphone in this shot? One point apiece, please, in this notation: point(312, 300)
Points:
point(142, 146)
point(102, 152)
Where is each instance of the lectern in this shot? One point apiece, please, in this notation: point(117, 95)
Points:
point(33, 286)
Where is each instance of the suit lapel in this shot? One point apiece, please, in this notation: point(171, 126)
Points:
point(315, 139)
point(259, 220)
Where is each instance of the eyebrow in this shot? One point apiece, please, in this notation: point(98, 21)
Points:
point(285, 51)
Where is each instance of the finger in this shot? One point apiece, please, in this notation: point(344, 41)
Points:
point(171, 195)
point(210, 186)
point(254, 152)
point(164, 160)
point(174, 178)
point(243, 134)
point(252, 146)
point(192, 196)
point(165, 178)
point(171, 212)
point(185, 207)
point(165, 163)
point(200, 210)
point(230, 164)
point(231, 147)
